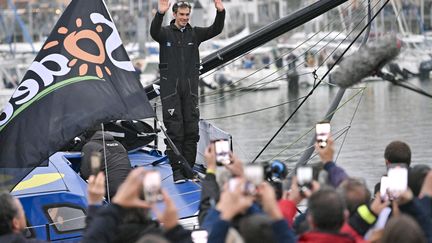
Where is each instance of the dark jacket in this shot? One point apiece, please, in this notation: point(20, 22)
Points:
point(209, 196)
point(17, 238)
point(106, 227)
point(416, 208)
point(116, 158)
point(335, 173)
point(179, 55)
point(281, 231)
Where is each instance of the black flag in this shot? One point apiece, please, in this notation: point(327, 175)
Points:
point(82, 76)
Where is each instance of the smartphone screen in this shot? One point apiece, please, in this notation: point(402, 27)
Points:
point(152, 186)
point(222, 149)
point(322, 133)
point(398, 180)
point(248, 188)
point(95, 162)
point(199, 236)
point(254, 174)
point(304, 175)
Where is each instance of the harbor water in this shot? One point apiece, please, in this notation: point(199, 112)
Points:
point(370, 116)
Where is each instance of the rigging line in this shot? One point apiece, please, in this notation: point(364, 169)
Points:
point(350, 124)
point(355, 39)
point(329, 24)
point(242, 151)
point(236, 94)
point(312, 46)
point(369, 13)
point(315, 154)
point(328, 42)
point(308, 39)
point(215, 101)
point(419, 91)
point(105, 161)
point(294, 142)
point(398, 16)
point(274, 106)
point(220, 98)
point(58, 171)
point(337, 135)
point(253, 111)
point(355, 28)
point(307, 132)
point(313, 89)
point(55, 223)
point(277, 70)
point(266, 108)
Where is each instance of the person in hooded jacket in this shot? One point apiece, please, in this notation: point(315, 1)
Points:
point(179, 64)
point(117, 160)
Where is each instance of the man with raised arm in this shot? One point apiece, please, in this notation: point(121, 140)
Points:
point(179, 63)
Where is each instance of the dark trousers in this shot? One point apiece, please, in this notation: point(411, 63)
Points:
point(181, 117)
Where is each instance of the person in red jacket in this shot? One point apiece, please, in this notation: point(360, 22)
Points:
point(326, 215)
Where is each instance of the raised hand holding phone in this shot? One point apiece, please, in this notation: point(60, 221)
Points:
point(95, 162)
point(222, 150)
point(304, 178)
point(398, 180)
point(152, 186)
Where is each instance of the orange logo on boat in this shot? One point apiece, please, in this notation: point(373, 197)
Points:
point(70, 43)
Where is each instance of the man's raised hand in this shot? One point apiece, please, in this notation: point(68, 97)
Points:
point(219, 6)
point(163, 6)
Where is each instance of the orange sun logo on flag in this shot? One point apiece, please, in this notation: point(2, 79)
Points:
point(71, 45)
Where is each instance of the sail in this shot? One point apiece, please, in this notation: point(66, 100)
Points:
point(82, 76)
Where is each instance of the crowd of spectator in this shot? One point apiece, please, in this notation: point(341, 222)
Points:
point(238, 209)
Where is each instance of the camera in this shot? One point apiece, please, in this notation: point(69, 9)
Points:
point(152, 187)
point(222, 149)
point(275, 171)
point(322, 133)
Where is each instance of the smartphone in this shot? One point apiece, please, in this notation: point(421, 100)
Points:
point(152, 187)
point(199, 236)
point(254, 174)
point(304, 178)
point(95, 162)
point(322, 133)
point(222, 149)
point(248, 188)
point(398, 180)
point(384, 185)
